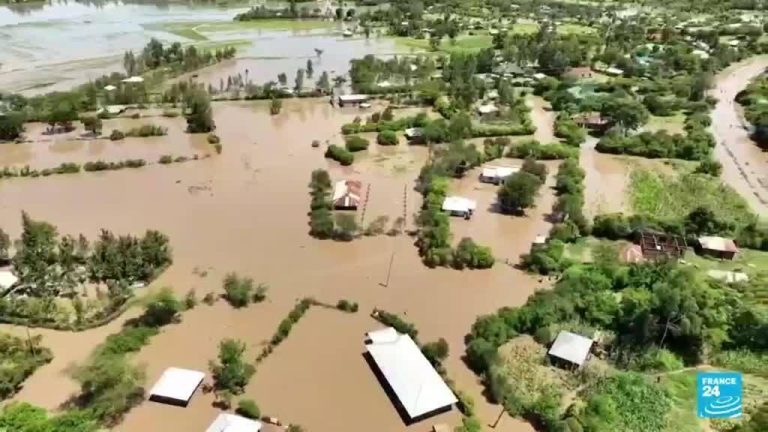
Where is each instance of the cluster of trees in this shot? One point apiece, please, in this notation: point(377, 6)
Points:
point(155, 55)
point(549, 258)
point(340, 155)
point(320, 215)
point(519, 191)
point(241, 291)
point(356, 143)
point(696, 144)
point(567, 129)
point(434, 236)
point(753, 100)
point(535, 150)
point(641, 309)
point(146, 130)
point(366, 73)
point(698, 222)
point(20, 359)
point(231, 372)
point(292, 11)
point(49, 266)
point(198, 112)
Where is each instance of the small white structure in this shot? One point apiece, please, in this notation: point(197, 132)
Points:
point(414, 133)
point(418, 387)
point(226, 422)
point(110, 88)
point(487, 109)
point(571, 347)
point(540, 239)
point(614, 71)
point(492, 94)
point(728, 277)
point(347, 33)
point(539, 76)
point(496, 174)
point(459, 206)
point(176, 386)
point(7, 279)
point(353, 99)
point(734, 42)
point(385, 84)
point(134, 79)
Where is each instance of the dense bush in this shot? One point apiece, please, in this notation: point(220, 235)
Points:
point(231, 372)
point(387, 138)
point(534, 149)
point(240, 291)
point(518, 192)
point(396, 322)
point(147, 130)
point(569, 131)
point(347, 306)
point(470, 255)
point(11, 125)
point(697, 144)
point(340, 155)
point(321, 223)
point(111, 166)
point(356, 143)
point(248, 409)
point(116, 135)
point(20, 358)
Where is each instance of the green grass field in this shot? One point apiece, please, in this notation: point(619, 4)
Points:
point(462, 44)
point(196, 30)
point(672, 124)
point(673, 197)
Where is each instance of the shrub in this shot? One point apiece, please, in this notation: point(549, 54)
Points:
point(387, 138)
point(147, 130)
point(470, 255)
point(436, 351)
point(231, 372)
point(260, 293)
point(248, 409)
point(709, 167)
point(396, 322)
point(356, 143)
point(162, 309)
point(340, 154)
point(116, 135)
point(534, 149)
point(190, 300)
point(346, 306)
point(238, 291)
point(532, 167)
point(165, 159)
point(275, 106)
point(568, 130)
point(209, 299)
point(213, 138)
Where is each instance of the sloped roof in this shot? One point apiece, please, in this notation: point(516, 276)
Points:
point(226, 422)
point(718, 244)
point(571, 347)
point(414, 381)
point(346, 193)
point(177, 384)
point(458, 204)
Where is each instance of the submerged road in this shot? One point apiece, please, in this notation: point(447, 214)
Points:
point(745, 165)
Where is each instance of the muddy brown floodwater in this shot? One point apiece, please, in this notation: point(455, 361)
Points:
point(46, 150)
point(745, 166)
point(246, 211)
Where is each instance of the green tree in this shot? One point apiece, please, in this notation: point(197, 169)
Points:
point(518, 192)
point(5, 244)
point(275, 106)
point(324, 82)
point(11, 125)
point(109, 385)
point(36, 258)
point(199, 112)
point(248, 408)
point(238, 291)
point(231, 372)
point(436, 352)
point(282, 78)
point(346, 227)
point(162, 309)
point(299, 84)
point(92, 124)
point(628, 114)
point(709, 167)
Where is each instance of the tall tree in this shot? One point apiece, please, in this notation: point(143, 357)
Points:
point(199, 112)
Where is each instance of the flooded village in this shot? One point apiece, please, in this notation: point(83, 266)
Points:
point(335, 217)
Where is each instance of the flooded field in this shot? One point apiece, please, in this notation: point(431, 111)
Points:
point(45, 150)
point(245, 211)
point(57, 45)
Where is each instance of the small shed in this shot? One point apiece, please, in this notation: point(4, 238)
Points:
point(176, 386)
point(571, 348)
point(614, 71)
point(487, 109)
point(496, 174)
point(459, 206)
point(7, 279)
point(539, 76)
point(353, 99)
point(414, 134)
point(110, 88)
point(226, 422)
point(717, 247)
point(346, 195)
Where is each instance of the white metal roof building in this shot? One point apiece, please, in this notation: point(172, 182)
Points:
point(134, 79)
point(354, 98)
point(233, 423)
point(459, 205)
point(718, 244)
point(571, 347)
point(487, 109)
point(346, 194)
point(419, 389)
point(7, 279)
point(176, 386)
point(496, 174)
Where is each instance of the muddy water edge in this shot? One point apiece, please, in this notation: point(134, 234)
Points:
point(245, 211)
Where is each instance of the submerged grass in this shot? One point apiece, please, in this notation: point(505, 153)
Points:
point(462, 43)
point(196, 30)
point(673, 197)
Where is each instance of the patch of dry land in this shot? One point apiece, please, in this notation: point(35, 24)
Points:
point(246, 211)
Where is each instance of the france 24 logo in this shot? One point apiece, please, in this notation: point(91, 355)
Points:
point(719, 394)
